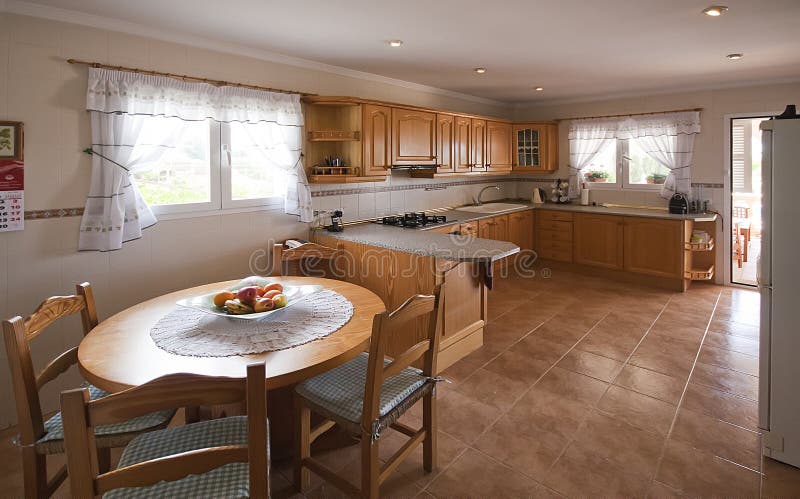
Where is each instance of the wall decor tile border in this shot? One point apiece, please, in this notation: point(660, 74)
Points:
point(420, 186)
point(53, 213)
point(708, 185)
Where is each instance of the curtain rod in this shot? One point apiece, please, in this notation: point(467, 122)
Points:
point(629, 114)
point(219, 83)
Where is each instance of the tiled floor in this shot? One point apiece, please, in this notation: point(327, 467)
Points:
point(586, 387)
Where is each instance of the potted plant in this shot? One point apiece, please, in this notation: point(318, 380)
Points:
point(656, 178)
point(597, 176)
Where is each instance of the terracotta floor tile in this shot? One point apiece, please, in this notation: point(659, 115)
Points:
point(611, 344)
point(726, 380)
point(735, 328)
point(780, 480)
point(699, 473)
point(550, 412)
point(492, 388)
point(625, 445)
point(721, 405)
point(719, 438)
point(684, 317)
point(411, 468)
point(581, 473)
point(742, 313)
point(731, 360)
point(475, 475)
point(518, 366)
point(465, 417)
point(523, 446)
point(598, 367)
point(660, 491)
point(562, 334)
point(651, 383)
point(733, 343)
point(572, 385)
point(639, 410)
point(665, 355)
point(670, 329)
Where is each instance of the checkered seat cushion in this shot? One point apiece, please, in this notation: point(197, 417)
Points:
point(115, 435)
point(339, 394)
point(229, 481)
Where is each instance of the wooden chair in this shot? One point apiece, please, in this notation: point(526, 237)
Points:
point(304, 255)
point(38, 437)
point(368, 394)
point(741, 222)
point(227, 457)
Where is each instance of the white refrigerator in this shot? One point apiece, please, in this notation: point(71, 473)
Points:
point(779, 283)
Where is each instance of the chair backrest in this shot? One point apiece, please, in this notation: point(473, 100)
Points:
point(81, 416)
point(18, 333)
point(383, 326)
point(741, 212)
point(282, 256)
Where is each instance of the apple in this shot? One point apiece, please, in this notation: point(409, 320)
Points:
point(269, 287)
point(280, 300)
point(271, 294)
point(263, 305)
point(248, 295)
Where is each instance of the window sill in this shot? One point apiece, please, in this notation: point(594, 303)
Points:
point(211, 213)
point(615, 187)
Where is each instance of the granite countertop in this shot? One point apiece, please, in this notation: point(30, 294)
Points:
point(421, 242)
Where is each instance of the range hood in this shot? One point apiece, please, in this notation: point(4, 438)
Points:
point(415, 167)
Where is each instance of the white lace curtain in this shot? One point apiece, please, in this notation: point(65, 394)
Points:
point(587, 139)
point(668, 138)
point(119, 102)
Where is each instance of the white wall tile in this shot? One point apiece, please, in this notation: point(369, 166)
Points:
point(366, 205)
point(349, 207)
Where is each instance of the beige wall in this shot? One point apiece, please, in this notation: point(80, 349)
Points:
point(39, 88)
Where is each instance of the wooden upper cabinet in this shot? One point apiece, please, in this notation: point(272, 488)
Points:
point(498, 146)
point(445, 142)
point(535, 147)
point(461, 152)
point(413, 137)
point(598, 240)
point(520, 229)
point(376, 139)
point(477, 139)
point(653, 246)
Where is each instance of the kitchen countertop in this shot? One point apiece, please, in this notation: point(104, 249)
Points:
point(421, 242)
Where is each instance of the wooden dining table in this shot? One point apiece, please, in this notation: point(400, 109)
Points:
point(119, 353)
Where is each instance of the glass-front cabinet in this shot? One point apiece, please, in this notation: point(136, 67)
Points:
point(535, 147)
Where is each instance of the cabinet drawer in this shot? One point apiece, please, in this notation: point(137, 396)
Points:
point(547, 215)
point(561, 256)
point(555, 225)
point(469, 228)
point(554, 235)
point(558, 246)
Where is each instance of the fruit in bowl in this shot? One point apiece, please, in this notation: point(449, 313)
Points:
point(251, 299)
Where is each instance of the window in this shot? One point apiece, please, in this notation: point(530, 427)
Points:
point(214, 166)
point(625, 164)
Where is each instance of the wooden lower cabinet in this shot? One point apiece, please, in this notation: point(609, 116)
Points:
point(520, 229)
point(494, 228)
point(653, 246)
point(598, 240)
point(554, 235)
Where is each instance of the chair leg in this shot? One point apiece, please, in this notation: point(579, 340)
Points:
point(104, 460)
point(34, 474)
point(370, 467)
point(302, 444)
point(429, 423)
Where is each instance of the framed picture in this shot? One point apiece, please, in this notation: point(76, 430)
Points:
point(11, 143)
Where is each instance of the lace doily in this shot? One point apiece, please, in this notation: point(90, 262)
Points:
point(190, 332)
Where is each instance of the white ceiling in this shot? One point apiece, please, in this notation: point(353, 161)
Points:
point(574, 48)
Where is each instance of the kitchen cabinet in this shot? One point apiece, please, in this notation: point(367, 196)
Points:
point(469, 229)
point(413, 137)
point(461, 149)
point(554, 235)
point(498, 146)
point(445, 143)
point(477, 141)
point(535, 147)
point(376, 139)
point(598, 240)
point(494, 228)
point(520, 229)
point(653, 246)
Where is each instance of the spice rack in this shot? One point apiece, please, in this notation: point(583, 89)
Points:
point(699, 275)
point(333, 135)
point(707, 246)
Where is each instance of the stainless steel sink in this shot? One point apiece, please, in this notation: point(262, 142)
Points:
point(492, 208)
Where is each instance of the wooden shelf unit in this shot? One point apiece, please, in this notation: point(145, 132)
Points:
point(333, 130)
point(333, 135)
point(699, 259)
point(700, 274)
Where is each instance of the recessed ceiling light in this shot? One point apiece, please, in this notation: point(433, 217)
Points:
point(480, 71)
point(734, 57)
point(538, 89)
point(715, 10)
point(395, 43)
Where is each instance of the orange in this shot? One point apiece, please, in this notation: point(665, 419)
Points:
point(221, 298)
point(271, 294)
point(270, 287)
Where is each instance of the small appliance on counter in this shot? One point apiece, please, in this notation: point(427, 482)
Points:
point(538, 196)
point(336, 222)
point(678, 204)
point(559, 191)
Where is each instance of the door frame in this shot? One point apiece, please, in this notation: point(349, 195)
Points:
point(727, 192)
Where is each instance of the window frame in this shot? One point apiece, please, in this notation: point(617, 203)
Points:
point(220, 184)
point(623, 182)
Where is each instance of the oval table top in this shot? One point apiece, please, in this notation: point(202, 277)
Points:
point(119, 352)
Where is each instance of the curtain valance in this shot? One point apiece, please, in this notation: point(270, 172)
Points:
point(113, 91)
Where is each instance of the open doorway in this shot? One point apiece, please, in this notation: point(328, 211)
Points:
point(745, 214)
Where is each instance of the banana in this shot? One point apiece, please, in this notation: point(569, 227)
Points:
point(235, 307)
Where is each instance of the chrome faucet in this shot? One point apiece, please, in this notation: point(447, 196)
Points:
point(479, 202)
